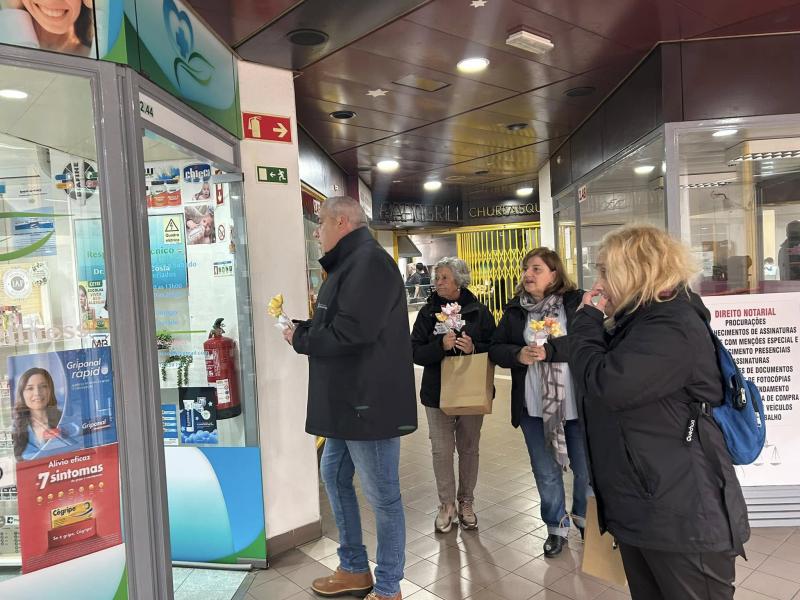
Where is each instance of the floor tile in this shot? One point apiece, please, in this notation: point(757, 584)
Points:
point(423, 594)
point(290, 561)
point(509, 558)
point(305, 576)
point(772, 586)
point(515, 587)
point(578, 587)
point(277, 589)
point(454, 587)
point(425, 573)
point(483, 573)
point(321, 548)
point(541, 572)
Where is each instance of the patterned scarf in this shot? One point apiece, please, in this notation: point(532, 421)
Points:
point(553, 377)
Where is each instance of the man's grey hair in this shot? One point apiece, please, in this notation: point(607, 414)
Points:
point(345, 206)
point(458, 267)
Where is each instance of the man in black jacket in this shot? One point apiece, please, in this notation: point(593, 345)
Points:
point(361, 395)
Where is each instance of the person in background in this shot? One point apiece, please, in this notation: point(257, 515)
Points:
point(789, 253)
point(361, 395)
point(647, 373)
point(543, 399)
point(449, 432)
point(770, 269)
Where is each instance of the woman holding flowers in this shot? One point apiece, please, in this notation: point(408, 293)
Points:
point(531, 340)
point(452, 322)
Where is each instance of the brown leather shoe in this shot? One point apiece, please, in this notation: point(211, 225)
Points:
point(342, 583)
point(374, 596)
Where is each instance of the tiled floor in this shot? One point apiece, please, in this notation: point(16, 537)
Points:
point(206, 584)
point(503, 559)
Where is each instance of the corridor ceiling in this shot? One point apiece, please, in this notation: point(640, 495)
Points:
point(393, 63)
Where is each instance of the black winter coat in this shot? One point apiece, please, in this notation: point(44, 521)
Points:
point(508, 340)
point(361, 377)
point(639, 384)
point(428, 350)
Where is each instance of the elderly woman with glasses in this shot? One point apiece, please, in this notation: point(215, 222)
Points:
point(543, 400)
point(448, 433)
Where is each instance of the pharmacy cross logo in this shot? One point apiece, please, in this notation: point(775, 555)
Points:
point(181, 33)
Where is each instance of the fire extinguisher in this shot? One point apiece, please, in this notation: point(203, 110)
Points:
point(221, 370)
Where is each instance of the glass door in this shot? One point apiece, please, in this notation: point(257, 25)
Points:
point(60, 524)
point(203, 335)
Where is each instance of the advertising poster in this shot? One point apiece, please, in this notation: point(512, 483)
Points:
point(34, 227)
point(68, 506)
point(93, 306)
point(762, 333)
point(163, 182)
point(169, 421)
point(198, 415)
point(68, 30)
point(196, 184)
point(168, 251)
point(63, 401)
point(200, 228)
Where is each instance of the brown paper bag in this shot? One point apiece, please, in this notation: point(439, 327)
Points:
point(467, 385)
point(600, 558)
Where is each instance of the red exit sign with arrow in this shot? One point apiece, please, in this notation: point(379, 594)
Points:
point(269, 128)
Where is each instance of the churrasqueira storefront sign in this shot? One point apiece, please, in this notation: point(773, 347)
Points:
point(503, 210)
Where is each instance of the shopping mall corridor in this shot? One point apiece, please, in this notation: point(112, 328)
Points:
point(502, 560)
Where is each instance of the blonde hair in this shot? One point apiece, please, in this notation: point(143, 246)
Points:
point(645, 264)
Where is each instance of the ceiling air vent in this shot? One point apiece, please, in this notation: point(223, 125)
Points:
point(307, 37)
point(421, 83)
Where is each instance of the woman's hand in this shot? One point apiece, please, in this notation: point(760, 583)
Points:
point(464, 343)
point(596, 298)
point(531, 354)
point(288, 335)
point(449, 341)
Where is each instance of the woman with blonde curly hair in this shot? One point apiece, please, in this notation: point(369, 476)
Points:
point(675, 508)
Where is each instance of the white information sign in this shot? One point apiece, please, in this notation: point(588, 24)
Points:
point(762, 333)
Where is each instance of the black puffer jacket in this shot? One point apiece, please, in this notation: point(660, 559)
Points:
point(638, 385)
point(508, 340)
point(428, 350)
point(361, 378)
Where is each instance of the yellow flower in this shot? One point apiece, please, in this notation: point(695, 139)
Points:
point(275, 308)
point(537, 325)
point(441, 317)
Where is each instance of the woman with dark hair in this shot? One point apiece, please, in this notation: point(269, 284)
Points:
point(543, 401)
point(36, 416)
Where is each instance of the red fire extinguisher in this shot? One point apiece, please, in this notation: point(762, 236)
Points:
point(221, 369)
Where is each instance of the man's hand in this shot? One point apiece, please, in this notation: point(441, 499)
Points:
point(288, 334)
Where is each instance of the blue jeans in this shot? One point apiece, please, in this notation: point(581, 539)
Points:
point(377, 463)
point(550, 477)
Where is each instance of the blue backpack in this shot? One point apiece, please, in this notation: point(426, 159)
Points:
point(741, 414)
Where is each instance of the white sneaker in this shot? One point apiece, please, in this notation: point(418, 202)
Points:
point(445, 517)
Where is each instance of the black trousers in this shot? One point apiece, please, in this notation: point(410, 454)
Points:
point(656, 575)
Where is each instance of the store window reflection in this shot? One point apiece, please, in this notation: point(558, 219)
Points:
point(567, 242)
point(740, 197)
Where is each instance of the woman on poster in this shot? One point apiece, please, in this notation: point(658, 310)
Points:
point(61, 25)
point(38, 430)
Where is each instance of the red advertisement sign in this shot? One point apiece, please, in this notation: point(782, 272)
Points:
point(68, 506)
point(269, 128)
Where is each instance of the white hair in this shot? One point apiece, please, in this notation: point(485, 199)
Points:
point(458, 267)
point(345, 206)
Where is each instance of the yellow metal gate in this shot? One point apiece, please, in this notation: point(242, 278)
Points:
point(494, 255)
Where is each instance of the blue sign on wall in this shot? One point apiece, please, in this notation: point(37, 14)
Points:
point(168, 251)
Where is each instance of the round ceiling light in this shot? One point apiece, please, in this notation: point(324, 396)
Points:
point(643, 169)
point(13, 94)
point(577, 92)
point(307, 37)
point(387, 166)
point(517, 126)
point(725, 132)
point(432, 186)
point(524, 191)
point(482, 172)
point(473, 65)
point(343, 114)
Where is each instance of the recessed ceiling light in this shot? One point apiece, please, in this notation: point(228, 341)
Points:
point(516, 126)
point(663, 166)
point(473, 65)
point(343, 114)
point(432, 186)
point(643, 169)
point(577, 92)
point(387, 166)
point(307, 37)
point(397, 181)
point(725, 132)
point(482, 172)
point(13, 94)
point(524, 191)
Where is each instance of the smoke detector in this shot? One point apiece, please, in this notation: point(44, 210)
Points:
point(530, 42)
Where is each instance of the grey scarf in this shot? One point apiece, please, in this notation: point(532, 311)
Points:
point(553, 377)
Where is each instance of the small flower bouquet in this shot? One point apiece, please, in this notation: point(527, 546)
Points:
point(449, 319)
point(549, 327)
point(275, 309)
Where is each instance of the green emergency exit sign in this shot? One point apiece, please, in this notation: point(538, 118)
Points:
point(273, 174)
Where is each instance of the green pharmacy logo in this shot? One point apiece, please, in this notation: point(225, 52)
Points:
point(30, 248)
point(181, 36)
